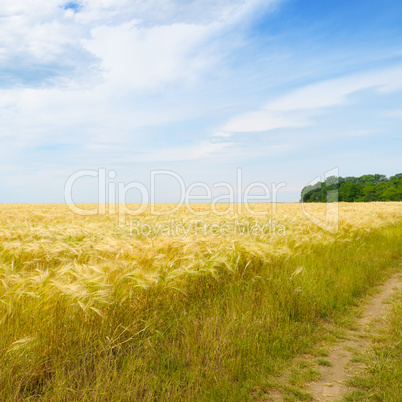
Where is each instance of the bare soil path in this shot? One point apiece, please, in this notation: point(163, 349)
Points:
point(332, 385)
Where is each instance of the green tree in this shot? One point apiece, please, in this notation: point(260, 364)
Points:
point(349, 192)
point(369, 187)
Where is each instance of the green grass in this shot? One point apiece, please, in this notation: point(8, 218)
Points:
point(382, 380)
point(324, 362)
point(83, 332)
point(302, 372)
point(321, 352)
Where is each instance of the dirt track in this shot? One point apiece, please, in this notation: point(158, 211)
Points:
point(332, 385)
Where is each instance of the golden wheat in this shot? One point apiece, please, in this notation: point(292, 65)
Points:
point(87, 285)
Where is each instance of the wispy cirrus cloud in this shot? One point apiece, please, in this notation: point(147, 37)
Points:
point(300, 107)
point(393, 113)
point(262, 120)
point(336, 92)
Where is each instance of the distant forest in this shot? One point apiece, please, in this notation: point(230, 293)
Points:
point(370, 187)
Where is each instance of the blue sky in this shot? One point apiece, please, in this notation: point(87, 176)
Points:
point(285, 90)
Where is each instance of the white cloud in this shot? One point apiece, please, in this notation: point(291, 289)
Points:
point(261, 121)
point(397, 113)
point(298, 108)
point(132, 56)
point(139, 55)
point(137, 40)
point(137, 58)
point(335, 92)
point(166, 12)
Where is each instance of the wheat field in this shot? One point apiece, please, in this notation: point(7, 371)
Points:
point(177, 306)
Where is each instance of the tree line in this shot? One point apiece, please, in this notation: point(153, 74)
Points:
point(369, 187)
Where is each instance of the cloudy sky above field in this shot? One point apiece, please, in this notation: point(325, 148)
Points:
point(284, 89)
